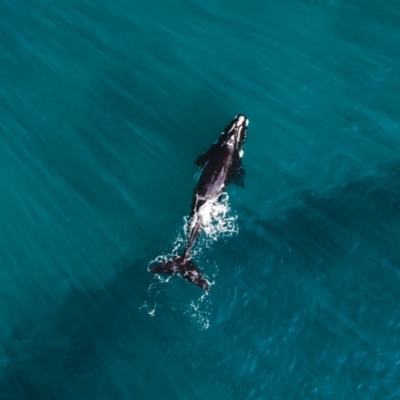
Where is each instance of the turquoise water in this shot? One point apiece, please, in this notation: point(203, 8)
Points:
point(105, 106)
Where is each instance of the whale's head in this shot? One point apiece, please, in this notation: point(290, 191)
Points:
point(236, 132)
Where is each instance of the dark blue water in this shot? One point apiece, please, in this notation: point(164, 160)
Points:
point(104, 107)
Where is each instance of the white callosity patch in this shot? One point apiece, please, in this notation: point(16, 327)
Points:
point(241, 120)
point(232, 128)
point(231, 142)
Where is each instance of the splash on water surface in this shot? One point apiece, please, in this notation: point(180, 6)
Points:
point(217, 221)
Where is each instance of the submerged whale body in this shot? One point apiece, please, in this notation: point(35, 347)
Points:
point(221, 165)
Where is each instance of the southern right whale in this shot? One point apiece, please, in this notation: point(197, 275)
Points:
point(221, 165)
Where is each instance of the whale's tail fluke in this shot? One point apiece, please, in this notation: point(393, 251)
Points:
point(183, 266)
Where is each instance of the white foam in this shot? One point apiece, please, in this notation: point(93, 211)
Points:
point(217, 221)
point(200, 312)
point(215, 218)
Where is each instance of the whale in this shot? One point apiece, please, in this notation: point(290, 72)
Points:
point(220, 165)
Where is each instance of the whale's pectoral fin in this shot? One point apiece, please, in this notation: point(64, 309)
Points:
point(191, 273)
point(202, 160)
point(238, 177)
point(236, 173)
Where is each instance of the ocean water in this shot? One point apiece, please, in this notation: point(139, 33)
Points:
point(104, 107)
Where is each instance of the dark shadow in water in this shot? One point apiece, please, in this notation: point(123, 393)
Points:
point(49, 358)
point(71, 353)
point(319, 229)
point(323, 275)
point(64, 354)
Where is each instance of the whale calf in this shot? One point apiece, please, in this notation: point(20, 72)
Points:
point(221, 165)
